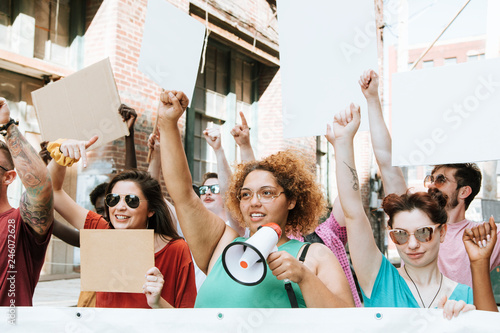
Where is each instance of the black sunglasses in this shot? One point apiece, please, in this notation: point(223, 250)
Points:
point(213, 188)
point(132, 200)
point(3, 168)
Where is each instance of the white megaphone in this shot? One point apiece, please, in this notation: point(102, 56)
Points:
point(245, 262)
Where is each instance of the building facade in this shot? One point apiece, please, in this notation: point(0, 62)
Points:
point(44, 40)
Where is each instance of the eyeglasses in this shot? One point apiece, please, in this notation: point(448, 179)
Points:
point(131, 200)
point(3, 168)
point(265, 194)
point(438, 181)
point(401, 236)
point(214, 189)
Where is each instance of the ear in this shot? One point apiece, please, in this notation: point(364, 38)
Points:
point(150, 213)
point(464, 192)
point(442, 232)
point(291, 204)
point(9, 177)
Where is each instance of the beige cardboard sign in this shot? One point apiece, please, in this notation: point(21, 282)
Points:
point(115, 260)
point(80, 106)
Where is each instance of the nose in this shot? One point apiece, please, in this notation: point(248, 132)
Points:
point(121, 205)
point(254, 201)
point(413, 242)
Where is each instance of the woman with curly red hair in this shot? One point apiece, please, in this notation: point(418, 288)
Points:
point(279, 189)
point(417, 225)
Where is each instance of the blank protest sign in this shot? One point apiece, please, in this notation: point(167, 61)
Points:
point(80, 106)
point(325, 46)
point(171, 47)
point(448, 114)
point(115, 260)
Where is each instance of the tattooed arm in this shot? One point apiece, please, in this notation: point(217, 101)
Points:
point(365, 256)
point(37, 202)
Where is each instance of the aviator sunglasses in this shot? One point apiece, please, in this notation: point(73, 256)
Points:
point(132, 200)
point(401, 236)
point(214, 189)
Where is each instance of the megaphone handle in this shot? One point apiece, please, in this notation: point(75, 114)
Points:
point(291, 294)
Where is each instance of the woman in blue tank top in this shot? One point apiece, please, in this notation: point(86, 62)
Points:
point(417, 224)
point(280, 189)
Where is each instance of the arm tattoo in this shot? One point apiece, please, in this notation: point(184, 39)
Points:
point(37, 201)
point(355, 180)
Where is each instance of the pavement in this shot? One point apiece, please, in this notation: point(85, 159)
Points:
point(55, 293)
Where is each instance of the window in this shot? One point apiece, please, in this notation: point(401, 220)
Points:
point(450, 61)
point(428, 64)
point(475, 57)
point(209, 104)
point(225, 88)
point(44, 29)
point(52, 30)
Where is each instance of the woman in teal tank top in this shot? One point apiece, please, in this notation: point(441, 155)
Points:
point(279, 189)
point(417, 223)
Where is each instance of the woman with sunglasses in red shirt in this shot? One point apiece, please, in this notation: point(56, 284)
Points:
point(133, 200)
point(417, 225)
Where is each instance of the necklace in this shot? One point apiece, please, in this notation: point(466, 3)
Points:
point(440, 284)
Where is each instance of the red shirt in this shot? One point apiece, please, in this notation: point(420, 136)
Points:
point(174, 262)
point(21, 259)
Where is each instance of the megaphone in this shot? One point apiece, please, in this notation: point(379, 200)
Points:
point(245, 262)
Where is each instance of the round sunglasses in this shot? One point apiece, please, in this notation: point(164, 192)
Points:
point(401, 236)
point(214, 189)
point(132, 200)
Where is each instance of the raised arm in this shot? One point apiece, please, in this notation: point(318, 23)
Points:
point(213, 138)
point(63, 203)
point(203, 229)
point(479, 243)
point(241, 134)
point(67, 234)
point(129, 115)
point(154, 168)
point(392, 176)
point(365, 256)
point(37, 202)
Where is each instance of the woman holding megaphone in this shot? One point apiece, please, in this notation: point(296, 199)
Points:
point(280, 189)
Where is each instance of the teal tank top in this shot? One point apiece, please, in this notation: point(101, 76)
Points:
point(220, 291)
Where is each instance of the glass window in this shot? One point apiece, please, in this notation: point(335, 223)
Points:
point(428, 64)
point(210, 102)
point(52, 30)
point(450, 61)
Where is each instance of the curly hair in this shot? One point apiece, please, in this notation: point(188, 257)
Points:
point(432, 204)
point(295, 173)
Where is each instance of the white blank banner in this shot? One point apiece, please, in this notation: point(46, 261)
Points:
point(325, 46)
point(47, 319)
point(448, 114)
point(171, 47)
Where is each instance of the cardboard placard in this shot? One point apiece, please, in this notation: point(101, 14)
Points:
point(115, 260)
point(325, 46)
point(80, 106)
point(447, 114)
point(171, 47)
